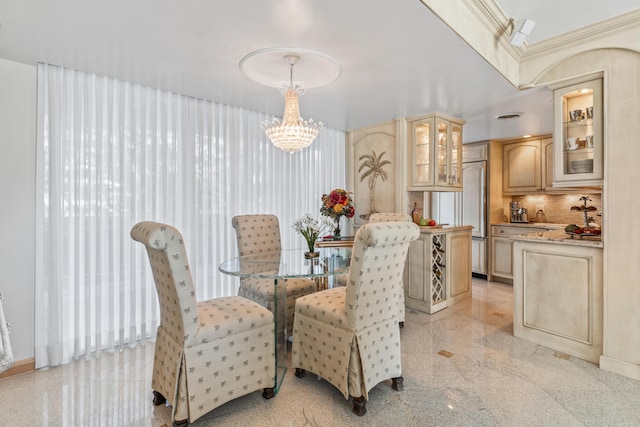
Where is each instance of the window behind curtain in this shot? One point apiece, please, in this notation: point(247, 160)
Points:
point(111, 154)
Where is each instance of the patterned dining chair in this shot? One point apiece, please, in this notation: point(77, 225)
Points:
point(341, 279)
point(394, 217)
point(349, 335)
point(257, 234)
point(207, 353)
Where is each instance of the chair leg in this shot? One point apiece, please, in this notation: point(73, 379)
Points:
point(397, 383)
point(301, 373)
point(359, 406)
point(158, 399)
point(181, 423)
point(268, 393)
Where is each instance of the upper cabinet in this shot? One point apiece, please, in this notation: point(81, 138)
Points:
point(578, 137)
point(528, 168)
point(522, 166)
point(435, 147)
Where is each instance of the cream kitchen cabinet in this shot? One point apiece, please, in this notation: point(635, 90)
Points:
point(558, 294)
point(435, 152)
point(578, 135)
point(528, 168)
point(525, 166)
point(438, 272)
point(502, 248)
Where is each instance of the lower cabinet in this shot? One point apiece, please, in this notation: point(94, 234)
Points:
point(501, 257)
point(558, 297)
point(501, 249)
point(438, 272)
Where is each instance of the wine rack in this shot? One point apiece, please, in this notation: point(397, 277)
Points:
point(438, 284)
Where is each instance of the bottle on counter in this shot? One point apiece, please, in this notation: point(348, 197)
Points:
point(416, 214)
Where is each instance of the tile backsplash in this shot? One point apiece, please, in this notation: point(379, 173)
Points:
point(557, 208)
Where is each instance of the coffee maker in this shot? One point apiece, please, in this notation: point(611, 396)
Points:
point(518, 214)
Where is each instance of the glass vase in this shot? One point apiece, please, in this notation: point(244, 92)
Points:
point(311, 253)
point(336, 230)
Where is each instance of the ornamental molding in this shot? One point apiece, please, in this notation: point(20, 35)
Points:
point(522, 66)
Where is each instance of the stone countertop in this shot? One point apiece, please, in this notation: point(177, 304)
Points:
point(549, 225)
point(444, 229)
point(560, 237)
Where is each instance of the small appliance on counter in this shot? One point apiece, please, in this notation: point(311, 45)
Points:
point(518, 214)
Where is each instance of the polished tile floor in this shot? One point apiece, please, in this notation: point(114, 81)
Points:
point(462, 367)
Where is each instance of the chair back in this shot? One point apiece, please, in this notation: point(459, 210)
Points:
point(377, 264)
point(172, 276)
point(257, 233)
point(389, 217)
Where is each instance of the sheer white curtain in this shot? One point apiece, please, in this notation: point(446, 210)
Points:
point(112, 153)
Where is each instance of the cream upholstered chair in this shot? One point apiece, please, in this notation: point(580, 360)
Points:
point(394, 217)
point(386, 217)
point(389, 217)
point(261, 233)
point(207, 353)
point(349, 335)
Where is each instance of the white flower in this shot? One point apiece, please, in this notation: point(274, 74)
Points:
point(311, 228)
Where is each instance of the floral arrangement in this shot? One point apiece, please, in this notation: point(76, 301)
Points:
point(336, 204)
point(311, 228)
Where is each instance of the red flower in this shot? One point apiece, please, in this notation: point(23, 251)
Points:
point(335, 197)
point(337, 203)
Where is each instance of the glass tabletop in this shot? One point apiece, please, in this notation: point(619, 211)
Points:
point(288, 264)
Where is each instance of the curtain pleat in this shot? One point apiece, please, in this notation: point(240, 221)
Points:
point(111, 154)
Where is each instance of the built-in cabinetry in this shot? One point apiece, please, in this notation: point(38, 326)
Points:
point(578, 136)
point(558, 296)
point(435, 153)
point(438, 272)
point(502, 247)
point(528, 166)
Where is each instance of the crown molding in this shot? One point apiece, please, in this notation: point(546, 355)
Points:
point(497, 22)
point(483, 25)
point(619, 32)
point(523, 65)
point(612, 28)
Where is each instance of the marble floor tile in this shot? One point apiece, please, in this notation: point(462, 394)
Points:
point(462, 367)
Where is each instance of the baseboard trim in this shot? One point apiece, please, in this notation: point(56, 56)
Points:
point(20, 367)
point(620, 367)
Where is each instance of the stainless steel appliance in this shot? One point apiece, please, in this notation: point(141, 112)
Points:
point(518, 213)
point(514, 206)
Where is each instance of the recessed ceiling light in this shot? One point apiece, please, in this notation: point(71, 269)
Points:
point(507, 116)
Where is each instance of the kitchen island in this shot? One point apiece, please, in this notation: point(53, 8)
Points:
point(557, 290)
point(438, 272)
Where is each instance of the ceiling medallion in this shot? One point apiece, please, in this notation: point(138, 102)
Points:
point(293, 133)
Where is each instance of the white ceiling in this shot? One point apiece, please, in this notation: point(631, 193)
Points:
point(398, 59)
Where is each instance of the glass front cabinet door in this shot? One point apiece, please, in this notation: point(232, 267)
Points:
point(435, 147)
point(578, 137)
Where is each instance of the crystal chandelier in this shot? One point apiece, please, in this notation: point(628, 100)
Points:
point(293, 133)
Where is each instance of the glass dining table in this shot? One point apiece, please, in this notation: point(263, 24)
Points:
point(280, 266)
